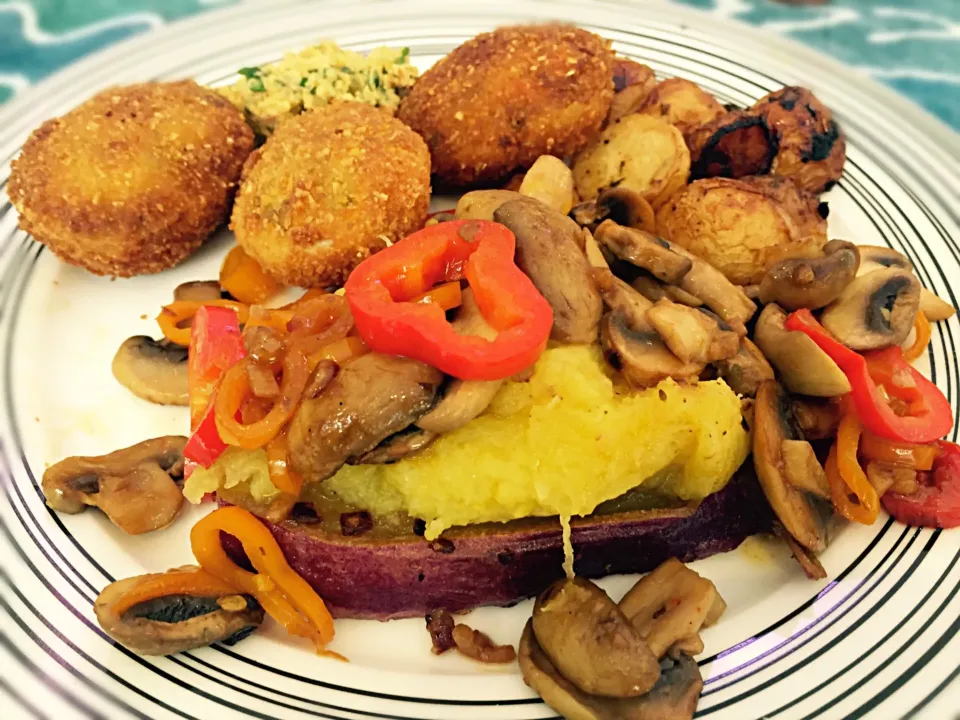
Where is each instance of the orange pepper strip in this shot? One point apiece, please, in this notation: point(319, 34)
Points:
point(919, 457)
point(242, 277)
point(447, 296)
point(284, 595)
point(195, 582)
point(840, 493)
point(340, 351)
point(235, 389)
point(921, 327)
point(853, 476)
point(171, 316)
point(282, 475)
point(278, 319)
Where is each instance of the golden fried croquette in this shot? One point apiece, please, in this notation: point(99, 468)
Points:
point(789, 133)
point(744, 226)
point(329, 188)
point(133, 180)
point(682, 103)
point(504, 98)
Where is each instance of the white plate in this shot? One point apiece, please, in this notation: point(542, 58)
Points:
point(878, 639)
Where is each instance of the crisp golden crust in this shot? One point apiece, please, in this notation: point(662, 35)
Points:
point(742, 227)
point(135, 179)
point(504, 98)
point(328, 189)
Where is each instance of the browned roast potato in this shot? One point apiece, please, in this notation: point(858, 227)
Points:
point(788, 133)
point(504, 98)
point(683, 104)
point(639, 152)
point(548, 250)
point(632, 82)
point(370, 399)
point(136, 487)
point(591, 642)
point(742, 227)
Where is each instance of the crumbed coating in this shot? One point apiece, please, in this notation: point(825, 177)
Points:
point(328, 189)
point(133, 180)
point(504, 98)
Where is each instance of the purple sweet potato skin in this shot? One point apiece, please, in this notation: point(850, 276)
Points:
point(408, 577)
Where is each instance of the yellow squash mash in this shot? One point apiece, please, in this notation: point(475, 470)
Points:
point(316, 76)
point(560, 444)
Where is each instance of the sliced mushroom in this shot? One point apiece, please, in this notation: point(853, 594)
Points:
point(808, 562)
point(804, 368)
point(669, 606)
point(591, 643)
point(370, 399)
point(803, 470)
point(818, 418)
point(136, 487)
point(692, 334)
point(641, 356)
point(875, 257)
point(745, 371)
point(198, 291)
point(155, 370)
point(463, 400)
point(673, 697)
point(396, 447)
point(173, 623)
point(548, 251)
point(934, 307)
point(643, 250)
point(876, 310)
point(619, 204)
point(811, 282)
point(618, 295)
point(592, 252)
point(711, 286)
point(802, 513)
point(653, 290)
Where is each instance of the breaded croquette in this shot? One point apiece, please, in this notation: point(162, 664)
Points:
point(135, 179)
point(504, 98)
point(329, 188)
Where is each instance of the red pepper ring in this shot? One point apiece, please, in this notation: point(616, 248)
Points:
point(380, 288)
point(932, 416)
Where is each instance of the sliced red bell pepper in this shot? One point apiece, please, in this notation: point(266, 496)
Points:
point(931, 416)
point(937, 502)
point(380, 288)
point(215, 346)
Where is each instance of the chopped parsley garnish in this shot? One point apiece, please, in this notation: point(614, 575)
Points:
point(249, 72)
point(404, 54)
point(256, 85)
point(303, 82)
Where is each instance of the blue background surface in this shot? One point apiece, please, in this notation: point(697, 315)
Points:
point(912, 46)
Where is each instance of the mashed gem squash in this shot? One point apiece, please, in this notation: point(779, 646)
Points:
point(560, 444)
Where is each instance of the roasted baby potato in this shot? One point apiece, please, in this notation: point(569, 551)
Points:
point(639, 152)
point(504, 98)
point(789, 133)
point(632, 82)
point(742, 227)
point(683, 104)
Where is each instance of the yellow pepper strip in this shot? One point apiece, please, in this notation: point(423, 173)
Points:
point(854, 481)
point(447, 296)
point(340, 351)
point(284, 595)
point(282, 475)
point(242, 277)
point(178, 312)
point(195, 582)
point(919, 457)
point(921, 328)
